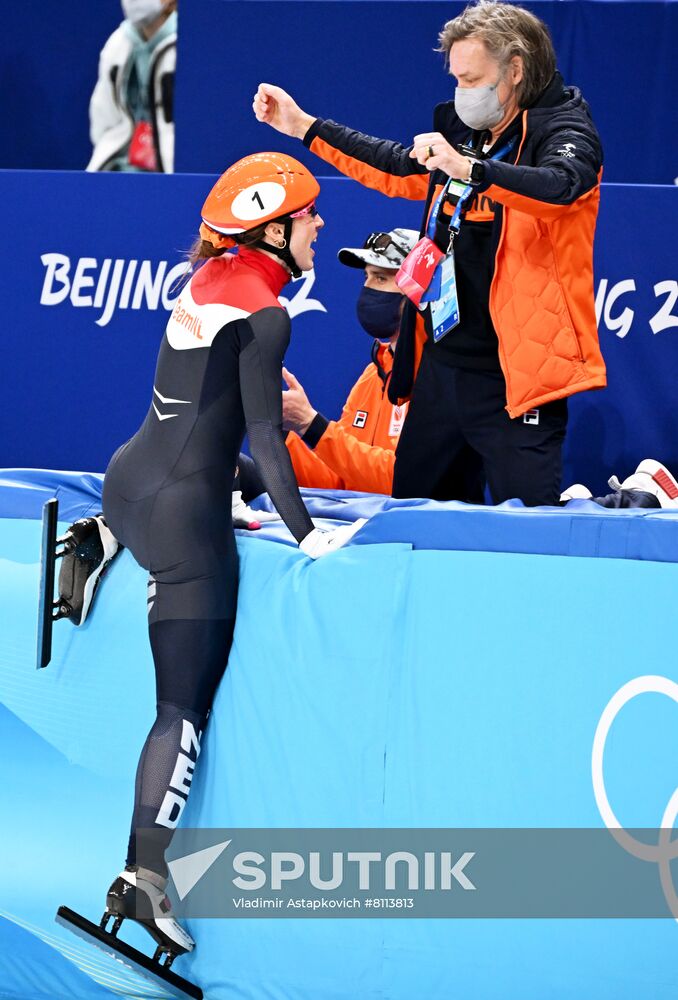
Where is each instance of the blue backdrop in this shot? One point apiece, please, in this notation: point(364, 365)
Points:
point(92, 272)
point(370, 64)
point(49, 54)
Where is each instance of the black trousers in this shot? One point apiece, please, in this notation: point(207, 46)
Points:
point(458, 435)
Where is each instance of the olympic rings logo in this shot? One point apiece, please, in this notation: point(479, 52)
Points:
point(666, 849)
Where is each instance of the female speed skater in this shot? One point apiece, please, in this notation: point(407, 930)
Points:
point(167, 491)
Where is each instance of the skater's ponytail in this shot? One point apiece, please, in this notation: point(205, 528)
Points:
point(207, 246)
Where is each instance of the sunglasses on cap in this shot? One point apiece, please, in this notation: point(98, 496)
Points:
point(309, 210)
point(380, 242)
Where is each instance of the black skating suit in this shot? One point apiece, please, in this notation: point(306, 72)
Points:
point(167, 497)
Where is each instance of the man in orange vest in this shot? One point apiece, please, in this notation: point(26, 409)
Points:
point(357, 452)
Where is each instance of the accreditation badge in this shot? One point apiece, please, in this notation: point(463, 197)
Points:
point(445, 309)
point(418, 270)
point(398, 414)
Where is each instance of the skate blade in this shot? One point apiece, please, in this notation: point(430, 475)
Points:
point(50, 513)
point(49, 610)
point(134, 960)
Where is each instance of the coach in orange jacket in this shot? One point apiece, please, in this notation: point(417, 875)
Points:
point(357, 452)
point(492, 390)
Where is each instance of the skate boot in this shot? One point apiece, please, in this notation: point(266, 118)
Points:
point(89, 548)
point(86, 549)
point(139, 894)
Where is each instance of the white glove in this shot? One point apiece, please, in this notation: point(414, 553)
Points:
point(318, 543)
point(244, 517)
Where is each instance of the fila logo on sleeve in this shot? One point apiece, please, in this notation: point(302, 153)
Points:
point(360, 418)
point(531, 417)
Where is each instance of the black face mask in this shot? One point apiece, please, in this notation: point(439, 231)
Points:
point(379, 312)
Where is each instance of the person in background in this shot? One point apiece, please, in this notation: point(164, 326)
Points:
point(131, 111)
point(357, 452)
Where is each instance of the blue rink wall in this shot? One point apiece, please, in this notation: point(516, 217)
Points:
point(401, 682)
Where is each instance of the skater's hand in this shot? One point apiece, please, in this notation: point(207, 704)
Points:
point(297, 411)
point(244, 517)
point(320, 543)
point(274, 106)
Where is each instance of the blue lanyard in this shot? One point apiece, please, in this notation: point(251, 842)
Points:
point(455, 221)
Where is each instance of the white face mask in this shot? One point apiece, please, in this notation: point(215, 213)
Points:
point(478, 107)
point(141, 11)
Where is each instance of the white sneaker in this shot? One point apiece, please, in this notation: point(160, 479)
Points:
point(651, 477)
point(245, 517)
point(576, 492)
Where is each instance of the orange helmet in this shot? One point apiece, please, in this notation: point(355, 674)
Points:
point(256, 190)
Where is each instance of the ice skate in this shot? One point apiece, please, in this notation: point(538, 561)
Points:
point(142, 898)
point(89, 547)
point(86, 549)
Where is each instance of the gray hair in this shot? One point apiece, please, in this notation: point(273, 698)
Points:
point(507, 31)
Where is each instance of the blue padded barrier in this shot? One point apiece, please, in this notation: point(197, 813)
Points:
point(582, 528)
point(390, 686)
point(24, 491)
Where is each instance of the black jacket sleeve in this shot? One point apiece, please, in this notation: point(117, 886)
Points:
point(566, 164)
point(381, 164)
point(264, 337)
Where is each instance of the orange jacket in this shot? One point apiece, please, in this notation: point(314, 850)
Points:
point(356, 452)
point(544, 207)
